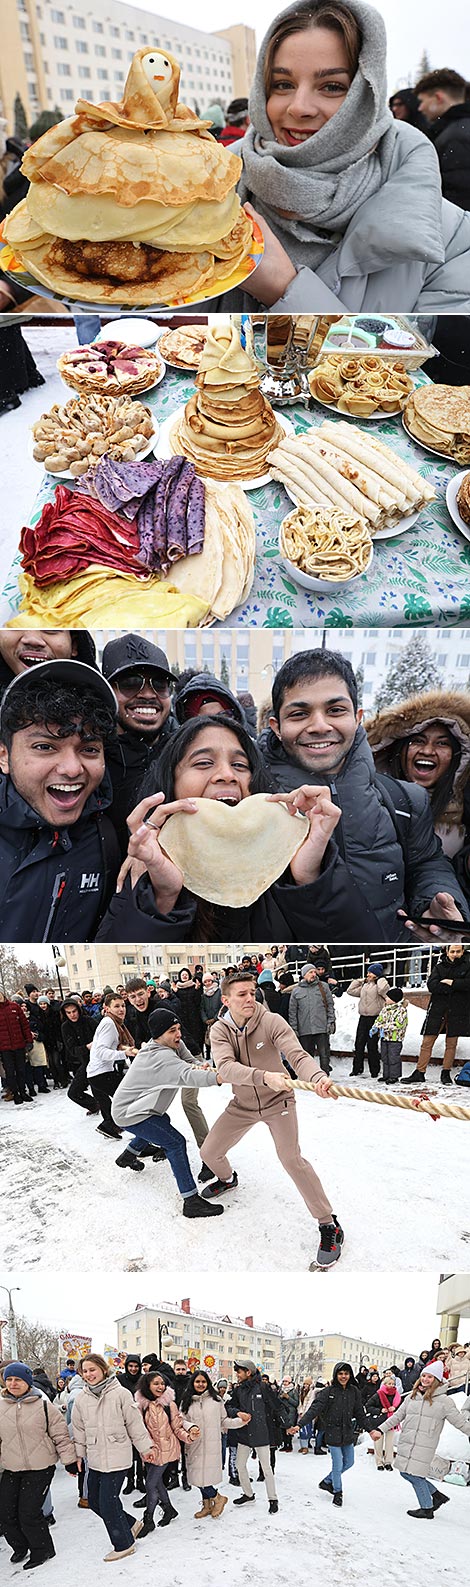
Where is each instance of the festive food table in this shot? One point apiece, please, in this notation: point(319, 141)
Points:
point(421, 576)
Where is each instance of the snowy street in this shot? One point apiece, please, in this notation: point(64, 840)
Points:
point(385, 1170)
point(307, 1541)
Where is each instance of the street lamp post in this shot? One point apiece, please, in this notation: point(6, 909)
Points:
point(57, 957)
point(11, 1319)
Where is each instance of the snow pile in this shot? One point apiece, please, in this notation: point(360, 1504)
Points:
point(346, 1014)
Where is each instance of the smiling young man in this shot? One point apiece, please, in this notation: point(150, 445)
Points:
point(21, 649)
point(385, 836)
point(248, 1047)
point(140, 677)
point(58, 851)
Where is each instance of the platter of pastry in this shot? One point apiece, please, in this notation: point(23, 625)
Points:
point(67, 439)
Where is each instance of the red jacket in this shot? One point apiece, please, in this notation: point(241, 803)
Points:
point(230, 135)
point(14, 1028)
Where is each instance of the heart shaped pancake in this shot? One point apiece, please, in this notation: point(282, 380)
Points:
point(232, 854)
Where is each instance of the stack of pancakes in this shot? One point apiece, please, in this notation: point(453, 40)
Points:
point(131, 201)
point(439, 417)
point(228, 427)
point(463, 499)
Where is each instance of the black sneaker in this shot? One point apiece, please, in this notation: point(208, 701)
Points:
point(439, 1498)
point(109, 1129)
point(195, 1207)
point(331, 1241)
point(273, 1506)
point(235, 1482)
point(205, 1174)
point(219, 1186)
point(446, 1077)
point(326, 1484)
point(421, 1515)
point(128, 1159)
point(415, 1079)
point(19, 1555)
point(140, 1504)
point(338, 1500)
point(245, 1498)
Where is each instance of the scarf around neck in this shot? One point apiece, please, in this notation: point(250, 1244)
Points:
point(325, 180)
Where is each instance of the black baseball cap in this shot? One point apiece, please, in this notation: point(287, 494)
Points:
point(74, 673)
point(133, 651)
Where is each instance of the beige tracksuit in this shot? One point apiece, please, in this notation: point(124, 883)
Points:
point(242, 1057)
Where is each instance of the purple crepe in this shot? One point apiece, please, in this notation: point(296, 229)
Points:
point(196, 516)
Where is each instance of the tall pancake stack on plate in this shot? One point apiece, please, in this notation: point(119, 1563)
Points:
point(439, 417)
point(228, 427)
point(132, 201)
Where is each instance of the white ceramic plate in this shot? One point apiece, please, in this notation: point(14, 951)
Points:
point(123, 391)
point(164, 448)
point(146, 450)
point(451, 499)
point(140, 332)
point(321, 586)
point(432, 449)
point(357, 418)
point(383, 534)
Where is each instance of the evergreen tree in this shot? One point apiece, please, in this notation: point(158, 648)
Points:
point(413, 672)
point(20, 121)
point(224, 672)
point(424, 65)
point(360, 683)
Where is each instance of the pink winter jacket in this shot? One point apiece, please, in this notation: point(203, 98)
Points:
point(166, 1435)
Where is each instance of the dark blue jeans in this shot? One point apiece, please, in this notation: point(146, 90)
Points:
point(159, 1130)
point(208, 1493)
point(104, 1488)
point(424, 1489)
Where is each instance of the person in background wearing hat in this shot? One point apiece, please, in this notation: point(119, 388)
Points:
point(58, 850)
point(140, 676)
point(263, 1432)
point(271, 995)
point(202, 694)
point(390, 1027)
point(312, 1015)
point(381, 1405)
point(237, 121)
point(33, 1437)
point(372, 993)
point(421, 1417)
point(21, 649)
point(145, 1093)
point(448, 1011)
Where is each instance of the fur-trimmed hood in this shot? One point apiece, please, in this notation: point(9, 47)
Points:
point(401, 721)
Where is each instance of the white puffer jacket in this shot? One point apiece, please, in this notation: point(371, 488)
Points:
point(105, 1427)
point(422, 1422)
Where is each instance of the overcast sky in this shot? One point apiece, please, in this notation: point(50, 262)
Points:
point(410, 28)
point(386, 1308)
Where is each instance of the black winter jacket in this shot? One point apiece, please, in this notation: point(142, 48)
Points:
point(338, 1411)
point(76, 1035)
point(54, 884)
point(451, 138)
point(449, 1008)
point(410, 1374)
point(374, 1413)
point(127, 759)
point(262, 1403)
point(393, 859)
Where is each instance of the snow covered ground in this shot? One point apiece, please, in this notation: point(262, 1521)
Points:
point(371, 1538)
point(398, 1182)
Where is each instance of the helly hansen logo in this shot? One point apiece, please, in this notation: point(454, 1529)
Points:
point(391, 877)
point(90, 881)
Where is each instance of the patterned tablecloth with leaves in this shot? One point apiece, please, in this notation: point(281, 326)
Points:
point(419, 577)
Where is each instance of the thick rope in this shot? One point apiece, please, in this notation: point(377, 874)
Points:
point(420, 1104)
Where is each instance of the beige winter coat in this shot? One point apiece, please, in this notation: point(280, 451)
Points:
point(422, 1422)
point(204, 1457)
point(33, 1433)
point(371, 995)
point(107, 1425)
point(458, 1367)
point(242, 1056)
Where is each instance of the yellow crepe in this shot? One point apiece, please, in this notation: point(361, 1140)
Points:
point(231, 856)
point(109, 599)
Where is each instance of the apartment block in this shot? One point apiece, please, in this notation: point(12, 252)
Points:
point(201, 1337)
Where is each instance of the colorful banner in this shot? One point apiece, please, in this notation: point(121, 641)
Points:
point(209, 1361)
point(193, 1362)
point(74, 1344)
point(114, 1357)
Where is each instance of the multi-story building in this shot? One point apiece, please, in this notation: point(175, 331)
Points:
point(90, 967)
point(249, 658)
point(317, 1354)
point(200, 1336)
point(453, 1304)
point(53, 54)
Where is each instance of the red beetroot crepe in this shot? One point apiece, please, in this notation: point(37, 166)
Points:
point(74, 531)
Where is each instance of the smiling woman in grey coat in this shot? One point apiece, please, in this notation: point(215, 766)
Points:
point(349, 199)
point(422, 1416)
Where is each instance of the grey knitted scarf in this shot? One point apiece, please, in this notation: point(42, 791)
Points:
point(325, 180)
